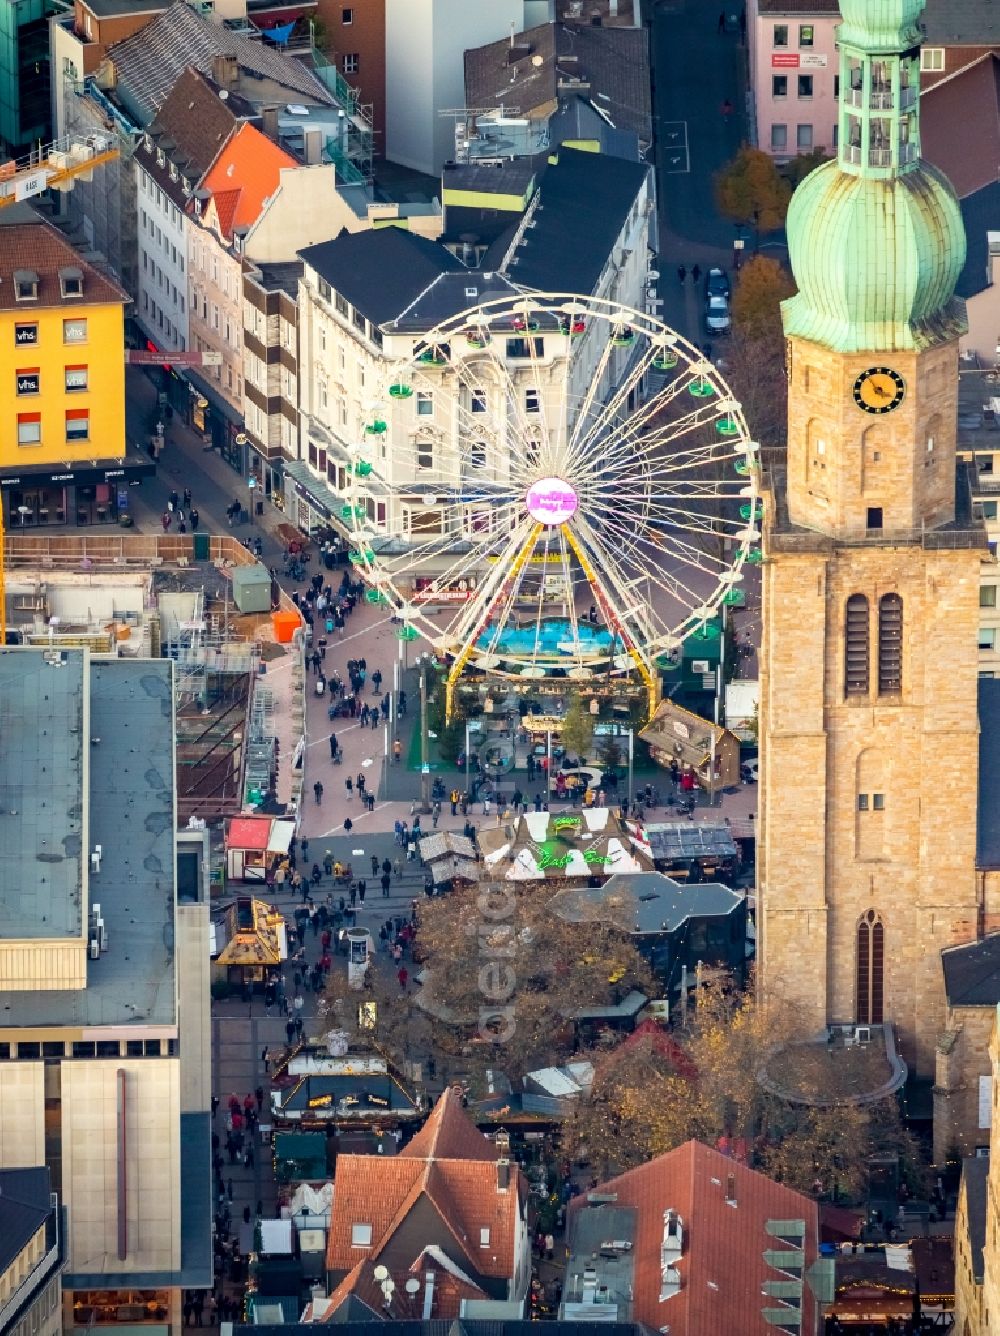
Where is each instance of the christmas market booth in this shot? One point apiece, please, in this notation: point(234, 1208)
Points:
point(590, 845)
point(710, 753)
point(354, 1092)
point(255, 845)
point(248, 942)
point(450, 858)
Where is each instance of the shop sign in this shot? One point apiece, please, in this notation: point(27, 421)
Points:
point(442, 596)
point(566, 823)
point(28, 382)
point(547, 860)
point(812, 60)
point(198, 414)
point(379, 1101)
point(321, 1102)
point(785, 60)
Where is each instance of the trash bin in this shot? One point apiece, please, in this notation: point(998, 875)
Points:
point(202, 547)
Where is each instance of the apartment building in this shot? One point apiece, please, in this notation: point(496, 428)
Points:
point(30, 1254)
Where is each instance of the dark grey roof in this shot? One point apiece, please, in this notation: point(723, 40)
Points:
point(132, 817)
point(513, 176)
point(610, 65)
point(451, 293)
point(974, 1173)
point(24, 1208)
point(381, 272)
point(686, 839)
point(585, 199)
point(578, 118)
point(988, 814)
point(42, 780)
point(972, 973)
point(119, 9)
point(980, 214)
point(961, 23)
point(148, 64)
point(615, 64)
point(650, 901)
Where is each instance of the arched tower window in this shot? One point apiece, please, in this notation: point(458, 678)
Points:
point(870, 969)
point(890, 644)
point(856, 646)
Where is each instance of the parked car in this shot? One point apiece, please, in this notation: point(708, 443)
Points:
point(717, 284)
point(717, 318)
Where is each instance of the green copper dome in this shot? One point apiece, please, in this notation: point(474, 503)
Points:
point(875, 261)
point(876, 238)
point(880, 25)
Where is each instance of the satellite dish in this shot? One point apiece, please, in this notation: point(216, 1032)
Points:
point(538, 61)
point(412, 1285)
point(381, 1273)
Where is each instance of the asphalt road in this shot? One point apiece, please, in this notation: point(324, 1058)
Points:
point(697, 69)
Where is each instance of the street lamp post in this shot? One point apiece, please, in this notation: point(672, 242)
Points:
point(631, 747)
point(425, 767)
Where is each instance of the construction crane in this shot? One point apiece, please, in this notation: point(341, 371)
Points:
point(55, 166)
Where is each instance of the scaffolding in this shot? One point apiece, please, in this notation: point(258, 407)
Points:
point(262, 749)
point(352, 155)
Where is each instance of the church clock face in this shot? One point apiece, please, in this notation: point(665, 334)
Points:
point(879, 390)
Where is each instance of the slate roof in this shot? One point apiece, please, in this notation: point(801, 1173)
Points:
point(363, 1325)
point(970, 97)
point(244, 176)
point(359, 1286)
point(148, 63)
point(960, 23)
point(645, 902)
point(988, 812)
point(380, 271)
point(981, 215)
point(722, 1263)
point(975, 1169)
point(585, 200)
point(533, 72)
point(450, 1168)
point(24, 1208)
point(191, 128)
point(972, 973)
point(28, 242)
point(802, 7)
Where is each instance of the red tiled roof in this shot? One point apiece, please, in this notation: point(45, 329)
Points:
point(449, 1166)
point(28, 242)
point(722, 1264)
point(248, 167)
point(249, 832)
point(449, 1134)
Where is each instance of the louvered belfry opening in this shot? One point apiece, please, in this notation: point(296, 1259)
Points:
point(870, 969)
point(890, 644)
point(856, 646)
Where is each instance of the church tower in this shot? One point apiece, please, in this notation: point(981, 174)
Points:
point(871, 579)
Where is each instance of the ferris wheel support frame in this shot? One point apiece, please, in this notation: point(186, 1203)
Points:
point(462, 658)
point(645, 672)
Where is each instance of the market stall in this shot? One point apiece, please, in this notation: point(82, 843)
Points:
point(255, 845)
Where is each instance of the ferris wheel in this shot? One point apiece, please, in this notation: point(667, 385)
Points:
point(553, 487)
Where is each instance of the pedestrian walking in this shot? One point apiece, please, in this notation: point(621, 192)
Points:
point(386, 880)
point(165, 519)
point(349, 787)
point(318, 791)
point(370, 800)
point(722, 23)
point(397, 750)
point(374, 865)
point(696, 273)
point(682, 274)
point(187, 498)
point(195, 518)
point(333, 746)
point(402, 974)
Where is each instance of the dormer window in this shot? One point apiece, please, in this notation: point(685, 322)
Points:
point(484, 1238)
point(25, 285)
point(71, 282)
point(161, 158)
point(173, 171)
point(186, 185)
point(361, 1236)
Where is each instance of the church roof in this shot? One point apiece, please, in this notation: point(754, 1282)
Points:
point(988, 814)
point(972, 973)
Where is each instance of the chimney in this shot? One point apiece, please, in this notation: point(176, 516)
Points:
point(269, 123)
point(225, 70)
point(312, 146)
point(503, 1174)
point(731, 1189)
point(428, 1295)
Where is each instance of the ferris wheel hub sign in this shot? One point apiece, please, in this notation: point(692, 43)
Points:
point(551, 501)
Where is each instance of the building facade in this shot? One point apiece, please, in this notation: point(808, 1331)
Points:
point(63, 457)
point(104, 1051)
point(30, 1254)
point(795, 73)
point(871, 579)
point(424, 44)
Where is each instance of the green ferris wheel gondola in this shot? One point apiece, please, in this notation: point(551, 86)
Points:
point(734, 598)
point(755, 556)
point(400, 390)
point(377, 597)
point(750, 511)
point(408, 633)
point(362, 556)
